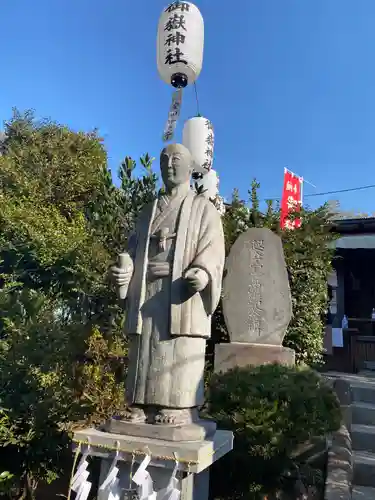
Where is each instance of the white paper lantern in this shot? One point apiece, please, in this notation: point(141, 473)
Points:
point(198, 137)
point(180, 44)
point(210, 184)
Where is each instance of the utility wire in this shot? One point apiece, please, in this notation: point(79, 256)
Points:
point(360, 188)
point(342, 190)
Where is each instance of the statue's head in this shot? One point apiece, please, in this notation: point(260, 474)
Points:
point(176, 165)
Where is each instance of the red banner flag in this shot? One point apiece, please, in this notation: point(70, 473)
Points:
point(291, 200)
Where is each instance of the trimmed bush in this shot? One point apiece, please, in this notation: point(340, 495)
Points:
point(271, 409)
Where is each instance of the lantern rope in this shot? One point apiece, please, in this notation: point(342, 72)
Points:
point(76, 455)
point(136, 452)
point(196, 98)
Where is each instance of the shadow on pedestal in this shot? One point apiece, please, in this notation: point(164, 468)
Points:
point(196, 431)
point(241, 354)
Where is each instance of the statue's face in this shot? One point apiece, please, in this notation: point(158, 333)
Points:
point(175, 165)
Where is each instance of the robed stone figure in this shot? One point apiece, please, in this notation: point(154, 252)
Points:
point(172, 289)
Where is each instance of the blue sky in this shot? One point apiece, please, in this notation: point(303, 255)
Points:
point(285, 83)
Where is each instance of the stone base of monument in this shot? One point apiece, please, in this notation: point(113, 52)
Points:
point(240, 354)
point(194, 459)
point(197, 431)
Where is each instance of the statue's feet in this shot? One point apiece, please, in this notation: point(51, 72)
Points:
point(135, 415)
point(173, 417)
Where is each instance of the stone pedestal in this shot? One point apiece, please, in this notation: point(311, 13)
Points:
point(194, 458)
point(242, 354)
point(195, 431)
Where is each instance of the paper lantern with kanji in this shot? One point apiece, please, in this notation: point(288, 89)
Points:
point(198, 137)
point(209, 184)
point(180, 43)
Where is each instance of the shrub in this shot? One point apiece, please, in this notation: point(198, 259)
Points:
point(271, 410)
point(62, 223)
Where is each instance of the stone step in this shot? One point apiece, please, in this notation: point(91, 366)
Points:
point(363, 413)
point(364, 468)
point(363, 392)
point(370, 373)
point(362, 377)
point(363, 437)
point(363, 493)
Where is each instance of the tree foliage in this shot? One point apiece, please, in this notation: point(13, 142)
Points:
point(62, 223)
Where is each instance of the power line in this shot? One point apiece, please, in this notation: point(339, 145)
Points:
point(342, 190)
point(360, 188)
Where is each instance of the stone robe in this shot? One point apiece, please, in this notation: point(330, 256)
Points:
point(167, 325)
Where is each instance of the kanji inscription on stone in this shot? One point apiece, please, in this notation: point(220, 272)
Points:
point(256, 294)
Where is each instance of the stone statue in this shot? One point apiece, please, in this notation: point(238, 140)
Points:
point(172, 285)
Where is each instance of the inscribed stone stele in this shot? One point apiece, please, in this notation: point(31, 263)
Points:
point(256, 295)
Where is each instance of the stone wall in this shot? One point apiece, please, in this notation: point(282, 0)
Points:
point(340, 460)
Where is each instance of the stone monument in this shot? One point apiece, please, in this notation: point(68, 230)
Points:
point(256, 302)
point(172, 290)
point(170, 278)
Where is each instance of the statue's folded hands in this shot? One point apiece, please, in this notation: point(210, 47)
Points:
point(158, 269)
point(197, 278)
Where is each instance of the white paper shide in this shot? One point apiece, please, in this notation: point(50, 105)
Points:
point(143, 480)
point(198, 137)
point(110, 487)
point(171, 491)
point(80, 484)
point(180, 42)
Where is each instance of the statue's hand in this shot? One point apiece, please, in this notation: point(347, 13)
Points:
point(121, 277)
point(196, 278)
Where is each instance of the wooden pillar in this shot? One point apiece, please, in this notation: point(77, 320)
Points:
point(340, 292)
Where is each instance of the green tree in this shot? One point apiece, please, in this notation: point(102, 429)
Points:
point(62, 223)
